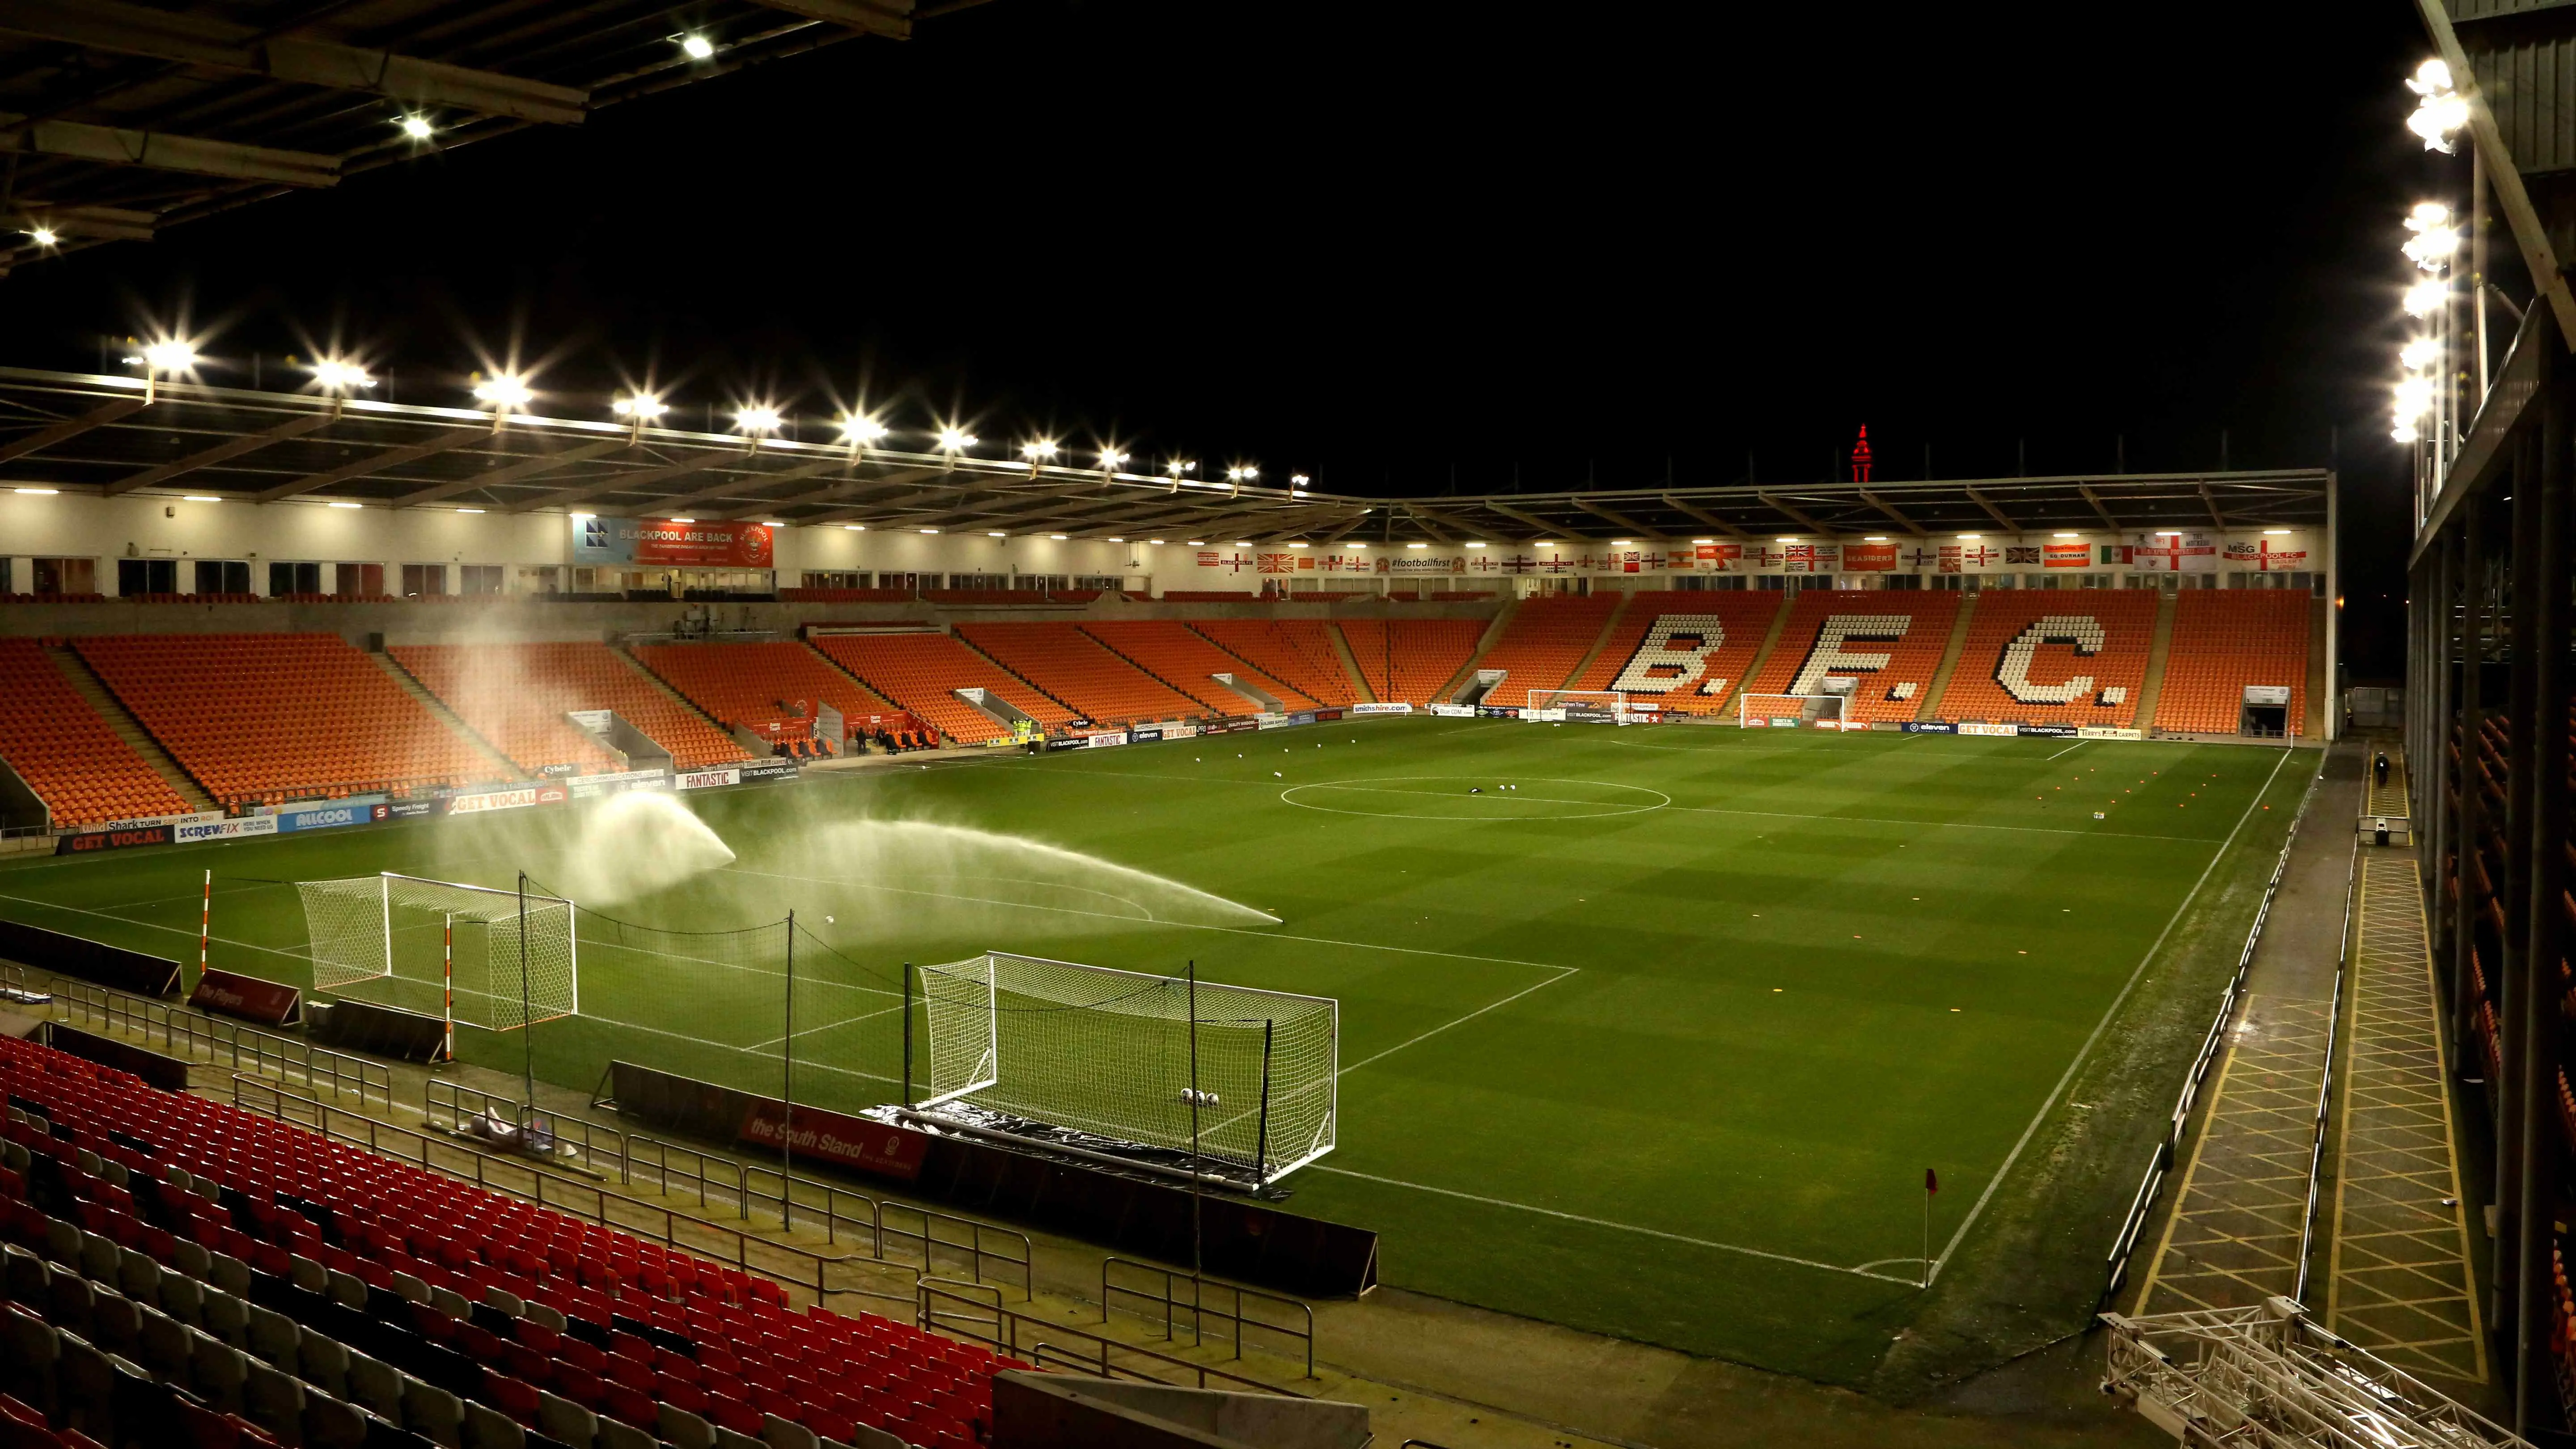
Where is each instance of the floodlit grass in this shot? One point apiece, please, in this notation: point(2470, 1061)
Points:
point(1658, 1043)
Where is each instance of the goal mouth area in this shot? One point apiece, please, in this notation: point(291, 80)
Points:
point(1115, 1153)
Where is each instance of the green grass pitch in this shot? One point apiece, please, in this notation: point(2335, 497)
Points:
point(1659, 1043)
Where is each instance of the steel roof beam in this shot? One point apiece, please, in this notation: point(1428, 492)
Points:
point(892, 18)
point(1793, 515)
point(376, 463)
point(1883, 506)
point(1546, 529)
point(221, 452)
point(106, 223)
point(2090, 497)
point(2216, 518)
point(629, 482)
point(513, 473)
point(1704, 516)
point(841, 490)
point(1997, 514)
point(196, 40)
point(45, 437)
point(737, 486)
point(1622, 520)
point(153, 150)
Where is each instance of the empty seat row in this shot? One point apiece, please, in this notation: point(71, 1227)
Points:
point(1544, 642)
point(1684, 652)
point(745, 683)
point(1179, 656)
point(2026, 651)
point(1408, 661)
point(1087, 675)
point(922, 670)
point(518, 696)
point(2224, 640)
point(1297, 652)
point(1889, 643)
point(76, 764)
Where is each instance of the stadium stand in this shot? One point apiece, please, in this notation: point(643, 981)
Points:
point(1892, 641)
point(516, 696)
point(67, 754)
point(2224, 640)
point(1084, 673)
point(183, 1271)
point(266, 718)
point(1700, 646)
point(1544, 642)
point(2026, 646)
point(922, 672)
point(1298, 652)
point(1182, 657)
point(1408, 660)
point(748, 683)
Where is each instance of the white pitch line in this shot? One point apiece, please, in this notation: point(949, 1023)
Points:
point(1561, 974)
point(1944, 824)
point(2070, 749)
point(2104, 1024)
point(827, 1026)
point(1615, 1226)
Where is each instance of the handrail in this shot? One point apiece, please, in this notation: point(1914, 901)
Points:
point(732, 1245)
point(2160, 1163)
point(1173, 1304)
point(867, 1223)
point(231, 1045)
point(1029, 1338)
point(2325, 1086)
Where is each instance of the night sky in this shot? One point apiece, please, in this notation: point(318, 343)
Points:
point(1410, 248)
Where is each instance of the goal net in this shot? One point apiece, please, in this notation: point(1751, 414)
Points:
point(1582, 704)
point(444, 949)
point(1025, 1045)
point(1791, 711)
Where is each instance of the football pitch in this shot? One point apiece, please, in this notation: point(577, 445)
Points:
point(1659, 1041)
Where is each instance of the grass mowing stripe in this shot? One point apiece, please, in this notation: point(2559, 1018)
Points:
point(1614, 1226)
point(1941, 824)
point(2055, 1092)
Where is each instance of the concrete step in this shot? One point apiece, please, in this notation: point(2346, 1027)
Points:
point(499, 763)
point(676, 697)
point(89, 686)
point(1949, 659)
point(2157, 653)
point(1609, 627)
point(1360, 687)
point(1484, 645)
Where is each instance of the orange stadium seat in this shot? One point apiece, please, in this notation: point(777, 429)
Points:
point(1181, 657)
point(69, 756)
point(1297, 652)
point(1910, 631)
point(2224, 640)
point(1701, 643)
point(264, 718)
point(1080, 670)
point(1544, 642)
point(2026, 647)
point(922, 672)
point(741, 683)
point(1406, 661)
point(516, 696)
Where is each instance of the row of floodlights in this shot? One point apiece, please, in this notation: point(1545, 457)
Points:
point(2433, 239)
point(504, 392)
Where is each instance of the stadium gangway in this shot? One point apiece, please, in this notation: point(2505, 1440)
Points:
point(198, 1038)
point(1200, 1311)
point(871, 1221)
point(2266, 1377)
point(784, 1264)
point(947, 1306)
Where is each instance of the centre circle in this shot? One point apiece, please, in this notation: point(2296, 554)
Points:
point(1474, 797)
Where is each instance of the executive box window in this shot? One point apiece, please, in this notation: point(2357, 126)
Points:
point(478, 578)
point(66, 575)
point(837, 578)
point(181, 576)
point(294, 578)
point(1111, 582)
point(424, 581)
point(979, 581)
point(365, 580)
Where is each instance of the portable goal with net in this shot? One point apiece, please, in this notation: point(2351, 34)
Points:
point(1792, 711)
point(445, 949)
point(1589, 704)
point(1105, 1062)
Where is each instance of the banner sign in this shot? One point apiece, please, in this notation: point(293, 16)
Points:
point(330, 817)
point(706, 779)
point(2267, 694)
point(1325, 715)
point(414, 809)
point(591, 787)
point(711, 544)
point(90, 840)
point(2065, 555)
point(1065, 742)
point(2005, 730)
point(1869, 558)
point(1450, 711)
point(2050, 731)
point(146, 822)
point(2259, 555)
point(1106, 739)
point(225, 829)
point(878, 1147)
point(2107, 732)
point(1180, 731)
point(1381, 709)
point(1301, 717)
point(247, 997)
point(1497, 711)
point(513, 799)
point(1930, 727)
point(1550, 716)
point(1227, 726)
point(770, 770)
point(2173, 552)
point(1147, 735)
point(1269, 720)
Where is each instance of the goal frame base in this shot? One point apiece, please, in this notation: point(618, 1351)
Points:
point(1803, 712)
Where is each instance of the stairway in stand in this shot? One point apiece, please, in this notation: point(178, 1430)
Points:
point(90, 687)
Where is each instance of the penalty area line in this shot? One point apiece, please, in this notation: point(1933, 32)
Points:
point(1615, 1226)
point(1561, 973)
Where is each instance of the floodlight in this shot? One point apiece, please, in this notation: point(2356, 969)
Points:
point(2430, 249)
point(773, 523)
point(1417, 545)
point(1355, 545)
point(2437, 119)
point(504, 390)
point(854, 528)
point(1176, 467)
point(43, 236)
point(1970, 537)
point(2425, 296)
point(1475, 545)
point(1058, 537)
point(2168, 533)
point(2419, 354)
point(1623, 543)
point(930, 530)
point(1038, 450)
point(684, 520)
point(2427, 213)
point(1297, 543)
point(1872, 538)
point(1786, 538)
point(201, 498)
point(1117, 540)
point(996, 533)
point(756, 419)
point(1197, 542)
point(1297, 480)
point(2065, 535)
point(2414, 397)
point(585, 515)
point(37, 492)
point(1243, 543)
point(643, 407)
point(697, 47)
point(334, 375)
point(2276, 531)
point(2431, 78)
point(1110, 459)
point(417, 127)
point(860, 430)
point(169, 355)
point(1158, 543)
point(2404, 433)
point(955, 440)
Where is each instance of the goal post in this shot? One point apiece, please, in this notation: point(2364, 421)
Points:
point(1792, 711)
point(1109, 1062)
point(453, 948)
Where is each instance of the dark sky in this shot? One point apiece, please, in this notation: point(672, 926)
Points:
point(1405, 243)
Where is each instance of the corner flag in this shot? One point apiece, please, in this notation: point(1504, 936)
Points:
point(1930, 1182)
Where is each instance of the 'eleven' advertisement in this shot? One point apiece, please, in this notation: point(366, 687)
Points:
point(2162, 551)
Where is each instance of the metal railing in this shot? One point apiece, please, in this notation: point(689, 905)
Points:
point(2160, 1163)
point(961, 1311)
point(1166, 1296)
point(230, 1045)
point(825, 1277)
point(893, 1232)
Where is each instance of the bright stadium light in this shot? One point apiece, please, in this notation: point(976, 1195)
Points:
point(1475, 545)
point(469, 510)
point(1111, 460)
point(2434, 239)
point(2440, 112)
point(1195, 542)
point(1058, 537)
point(169, 355)
point(697, 47)
point(2425, 297)
point(2404, 433)
point(36, 492)
point(930, 530)
point(504, 390)
point(955, 440)
point(643, 407)
point(854, 528)
point(1623, 543)
point(201, 498)
point(1417, 545)
point(417, 127)
point(1875, 538)
point(2066, 535)
point(2419, 354)
point(756, 419)
point(333, 374)
point(2168, 533)
point(579, 516)
point(1247, 543)
point(1242, 473)
point(1156, 542)
point(2276, 532)
point(1177, 466)
point(858, 429)
point(1298, 543)
point(1970, 537)
point(684, 520)
point(43, 236)
point(1038, 450)
point(1117, 540)
point(773, 523)
point(996, 533)
point(1355, 545)
point(343, 503)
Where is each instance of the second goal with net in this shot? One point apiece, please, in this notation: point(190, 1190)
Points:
point(1792, 711)
point(1603, 706)
point(1104, 1062)
point(488, 957)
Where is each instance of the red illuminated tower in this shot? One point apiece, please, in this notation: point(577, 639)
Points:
point(1860, 457)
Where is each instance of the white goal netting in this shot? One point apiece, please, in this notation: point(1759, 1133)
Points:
point(1791, 711)
point(1108, 1053)
point(1607, 704)
point(444, 949)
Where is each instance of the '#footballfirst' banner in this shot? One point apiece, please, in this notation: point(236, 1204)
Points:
point(660, 541)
